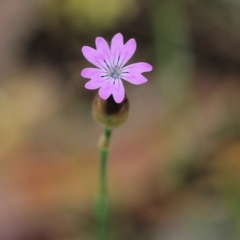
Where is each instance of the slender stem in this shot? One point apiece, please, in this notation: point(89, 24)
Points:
point(102, 201)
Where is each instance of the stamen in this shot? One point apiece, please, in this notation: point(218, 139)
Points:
point(106, 64)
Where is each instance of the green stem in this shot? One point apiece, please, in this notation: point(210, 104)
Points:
point(102, 201)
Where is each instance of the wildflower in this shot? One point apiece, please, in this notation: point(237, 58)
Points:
point(111, 67)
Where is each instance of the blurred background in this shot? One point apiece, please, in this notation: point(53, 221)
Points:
point(174, 167)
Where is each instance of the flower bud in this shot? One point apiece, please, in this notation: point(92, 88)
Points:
point(109, 113)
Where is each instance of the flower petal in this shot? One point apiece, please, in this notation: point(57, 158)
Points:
point(101, 44)
point(106, 90)
point(103, 48)
point(94, 83)
point(138, 68)
point(92, 56)
point(116, 47)
point(118, 91)
point(91, 72)
point(134, 78)
point(127, 51)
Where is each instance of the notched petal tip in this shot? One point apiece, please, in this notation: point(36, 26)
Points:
point(83, 73)
point(98, 41)
point(103, 95)
point(106, 90)
point(92, 55)
point(88, 86)
point(117, 100)
point(85, 49)
point(131, 44)
point(101, 43)
point(91, 73)
point(148, 67)
point(99, 38)
point(117, 42)
point(118, 36)
point(93, 84)
point(135, 78)
point(118, 91)
point(127, 51)
point(132, 41)
point(139, 67)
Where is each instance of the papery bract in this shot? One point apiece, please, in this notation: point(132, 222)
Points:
point(111, 67)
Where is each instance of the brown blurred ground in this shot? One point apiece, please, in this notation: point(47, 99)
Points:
point(173, 168)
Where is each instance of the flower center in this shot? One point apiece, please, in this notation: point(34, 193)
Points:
point(114, 72)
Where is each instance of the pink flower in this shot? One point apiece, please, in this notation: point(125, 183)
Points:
point(111, 70)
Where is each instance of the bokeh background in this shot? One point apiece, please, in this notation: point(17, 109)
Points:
point(174, 167)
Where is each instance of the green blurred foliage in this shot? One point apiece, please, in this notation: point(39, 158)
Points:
point(87, 15)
